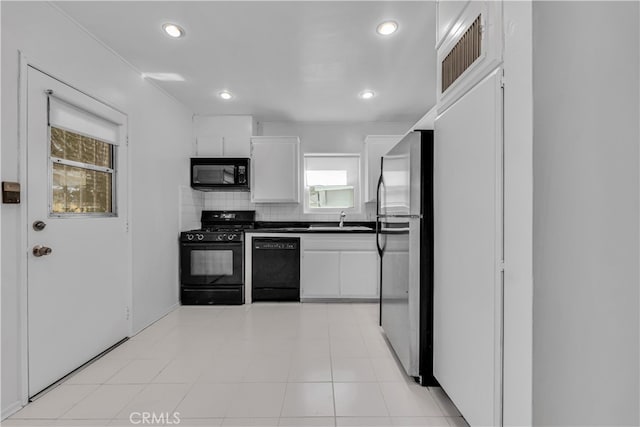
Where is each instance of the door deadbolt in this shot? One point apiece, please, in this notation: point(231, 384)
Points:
point(39, 225)
point(40, 250)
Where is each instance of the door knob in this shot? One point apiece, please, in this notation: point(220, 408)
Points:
point(40, 250)
point(39, 225)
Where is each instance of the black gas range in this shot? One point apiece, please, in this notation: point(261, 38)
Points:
point(211, 259)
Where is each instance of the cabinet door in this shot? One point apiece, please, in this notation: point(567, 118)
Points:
point(274, 166)
point(320, 274)
point(359, 274)
point(226, 136)
point(468, 234)
point(376, 146)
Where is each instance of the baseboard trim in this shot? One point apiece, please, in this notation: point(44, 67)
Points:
point(167, 311)
point(339, 300)
point(11, 409)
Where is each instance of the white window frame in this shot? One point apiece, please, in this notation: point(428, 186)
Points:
point(96, 125)
point(357, 189)
point(86, 166)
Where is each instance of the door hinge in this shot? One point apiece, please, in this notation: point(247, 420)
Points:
point(127, 313)
point(501, 265)
point(126, 226)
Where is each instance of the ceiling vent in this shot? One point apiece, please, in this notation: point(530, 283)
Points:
point(463, 54)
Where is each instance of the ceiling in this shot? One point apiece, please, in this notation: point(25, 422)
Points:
point(283, 61)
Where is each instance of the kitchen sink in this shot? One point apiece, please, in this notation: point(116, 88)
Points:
point(337, 228)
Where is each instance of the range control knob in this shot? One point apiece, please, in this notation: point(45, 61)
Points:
point(231, 237)
point(189, 236)
point(200, 236)
point(221, 236)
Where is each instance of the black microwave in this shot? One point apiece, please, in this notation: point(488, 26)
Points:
point(220, 174)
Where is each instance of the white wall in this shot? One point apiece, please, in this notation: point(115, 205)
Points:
point(191, 204)
point(160, 132)
point(518, 217)
point(448, 13)
point(347, 137)
point(586, 191)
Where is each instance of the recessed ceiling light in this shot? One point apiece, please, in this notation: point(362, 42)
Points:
point(226, 95)
point(367, 94)
point(173, 30)
point(387, 28)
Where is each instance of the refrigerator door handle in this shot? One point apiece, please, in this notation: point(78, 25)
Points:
point(378, 194)
point(399, 230)
point(404, 217)
point(380, 253)
point(378, 229)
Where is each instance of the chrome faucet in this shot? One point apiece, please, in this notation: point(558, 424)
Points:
point(342, 217)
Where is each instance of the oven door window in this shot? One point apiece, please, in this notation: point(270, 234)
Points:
point(211, 262)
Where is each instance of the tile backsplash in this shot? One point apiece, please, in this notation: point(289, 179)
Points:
point(193, 202)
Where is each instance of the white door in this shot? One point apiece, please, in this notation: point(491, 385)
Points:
point(76, 190)
point(468, 248)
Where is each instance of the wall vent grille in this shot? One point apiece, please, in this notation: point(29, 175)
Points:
point(463, 54)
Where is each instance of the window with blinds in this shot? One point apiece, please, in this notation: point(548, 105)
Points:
point(82, 162)
point(82, 170)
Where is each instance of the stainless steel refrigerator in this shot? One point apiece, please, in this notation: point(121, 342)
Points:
point(404, 236)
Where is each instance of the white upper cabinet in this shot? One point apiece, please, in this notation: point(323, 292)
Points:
point(375, 146)
point(471, 47)
point(223, 136)
point(275, 169)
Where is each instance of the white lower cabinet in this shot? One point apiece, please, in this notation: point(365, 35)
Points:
point(339, 267)
point(321, 274)
point(359, 274)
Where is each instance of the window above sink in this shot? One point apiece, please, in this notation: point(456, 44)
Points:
point(331, 183)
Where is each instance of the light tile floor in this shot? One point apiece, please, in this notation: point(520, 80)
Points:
point(252, 365)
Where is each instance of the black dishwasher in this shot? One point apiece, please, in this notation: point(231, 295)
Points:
point(275, 269)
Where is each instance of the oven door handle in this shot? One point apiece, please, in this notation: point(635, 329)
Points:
point(210, 245)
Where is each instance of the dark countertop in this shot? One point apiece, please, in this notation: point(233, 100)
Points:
point(303, 227)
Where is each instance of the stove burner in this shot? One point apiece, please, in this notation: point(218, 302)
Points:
point(221, 226)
